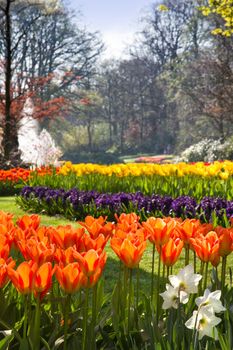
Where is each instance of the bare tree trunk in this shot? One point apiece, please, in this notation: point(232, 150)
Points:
point(89, 135)
point(122, 131)
point(10, 135)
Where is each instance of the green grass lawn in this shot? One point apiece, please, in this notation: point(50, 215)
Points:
point(8, 204)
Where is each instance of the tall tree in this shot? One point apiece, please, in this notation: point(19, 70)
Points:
point(8, 9)
point(44, 56)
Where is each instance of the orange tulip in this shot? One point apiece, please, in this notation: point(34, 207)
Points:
point(70, 278)
point(64, 256)
point(4, 264)
point(129, 251)
point(158, 230)
point(4, 247)
point(23, 277)
point(23, 235)
point(128, 222)
point(89, 282)
point(98, 243)
point(26, 221)
point(225, 236)
point(207, 247)
point(91, 260)
point(188, 229)
point(43, 279)
point(203, 229)
point(6, 220)
point(36, 251)
point(170, 251)
point(66, 236)
point(98, 226)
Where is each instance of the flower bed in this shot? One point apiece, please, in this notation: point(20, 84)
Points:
point(197, 180)
point(133, 169)
point(12, 180)
point(75, 204)
point(52, 294)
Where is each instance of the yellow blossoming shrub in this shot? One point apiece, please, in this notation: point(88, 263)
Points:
point(223, 8)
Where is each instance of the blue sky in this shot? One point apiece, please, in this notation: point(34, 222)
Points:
point(117, 20)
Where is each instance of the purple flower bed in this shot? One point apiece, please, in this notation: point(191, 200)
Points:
point(77, 204)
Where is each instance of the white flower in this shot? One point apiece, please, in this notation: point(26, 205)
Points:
point(186, 280)
point(172, 296)
point(204, 321)
point(211, 299)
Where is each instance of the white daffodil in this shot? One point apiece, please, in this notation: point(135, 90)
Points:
point(211, 299)
point(186, 280)
point(204, 321)
point(172, 296)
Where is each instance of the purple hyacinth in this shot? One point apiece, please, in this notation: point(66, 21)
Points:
point(183, 206)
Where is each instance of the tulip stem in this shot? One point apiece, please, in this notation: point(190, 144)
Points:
point(130, 297)
point(125, 292)
point(223, 272)
point(85, 316)
point(66, 319)
point(25, 318)
point(206, 275)
point(186, 255)
point(163, 272)
point(158, 286)
point(37, 325)
point(138, 286)
point(194, 261)
point(152, 273)
point(94, 310)
point(201, 272)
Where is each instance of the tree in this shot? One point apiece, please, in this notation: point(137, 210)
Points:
point(133, 105)
point(170, 29)
point(209, 83)
point(224, 10)
point(8, 9)
point(45, 57)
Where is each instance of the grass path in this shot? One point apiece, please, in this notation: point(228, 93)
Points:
point(8, 204)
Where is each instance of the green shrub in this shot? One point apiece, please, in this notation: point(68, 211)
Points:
point(91, 157)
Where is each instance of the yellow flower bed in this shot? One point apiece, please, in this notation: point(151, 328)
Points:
point(218, 169)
